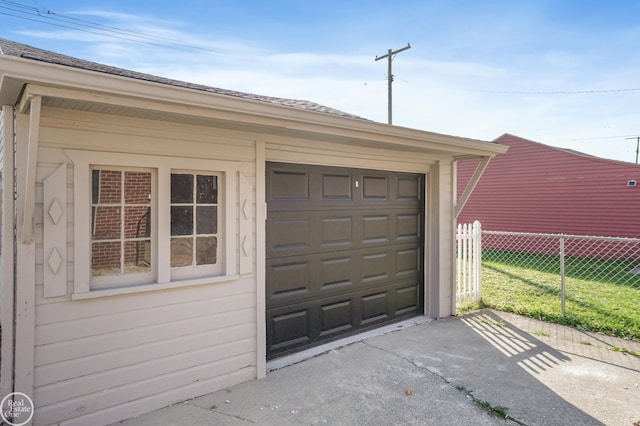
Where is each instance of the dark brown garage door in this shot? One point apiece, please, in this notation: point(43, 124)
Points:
point(344, 252)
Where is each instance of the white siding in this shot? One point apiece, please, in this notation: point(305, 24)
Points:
point(101, 360)
point(6, 250)
point(104, 359)
point(341, 154)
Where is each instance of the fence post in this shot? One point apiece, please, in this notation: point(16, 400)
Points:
point(458, 264)
point(477, 232)
point(562, 275)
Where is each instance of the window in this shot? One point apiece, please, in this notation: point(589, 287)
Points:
point(194, 221)
point(150, 221)
point(121, 223)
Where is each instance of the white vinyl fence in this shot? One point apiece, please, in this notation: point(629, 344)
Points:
point(468, 263)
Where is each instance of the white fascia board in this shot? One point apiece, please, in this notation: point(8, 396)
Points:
point(112, 88)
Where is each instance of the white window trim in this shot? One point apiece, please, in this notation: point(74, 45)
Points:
point(110, 281)
point(187, 272)
point(84, 160)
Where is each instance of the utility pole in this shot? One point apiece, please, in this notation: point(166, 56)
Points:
point(389, 56)
point(637, 138)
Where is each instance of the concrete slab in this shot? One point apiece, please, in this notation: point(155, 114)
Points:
point(438, 373)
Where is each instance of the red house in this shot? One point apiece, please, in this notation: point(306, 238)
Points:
point(543, 189)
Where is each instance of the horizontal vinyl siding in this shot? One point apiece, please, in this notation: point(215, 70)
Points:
point(344, 155)
point(100, 360)
point(89, 131)
point(537, 188)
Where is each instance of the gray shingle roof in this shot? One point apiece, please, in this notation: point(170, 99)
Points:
point(11, 48)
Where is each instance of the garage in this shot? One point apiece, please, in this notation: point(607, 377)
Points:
point(357, 233)
point(344, 252)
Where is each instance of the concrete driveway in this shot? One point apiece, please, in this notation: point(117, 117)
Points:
point(468, 370)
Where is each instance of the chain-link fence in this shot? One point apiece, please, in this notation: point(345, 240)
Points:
point(588, 282)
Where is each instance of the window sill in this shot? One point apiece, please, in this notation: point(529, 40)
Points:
point(94, 294)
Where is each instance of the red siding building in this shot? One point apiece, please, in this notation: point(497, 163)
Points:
point(539, 188)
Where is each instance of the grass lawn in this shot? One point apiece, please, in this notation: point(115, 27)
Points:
point(601, 295)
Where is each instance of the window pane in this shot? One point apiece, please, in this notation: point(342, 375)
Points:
point(207, 190)
point(137, 256)
point(206, 250)
point(106, 223)
point(121, 224)
point(137, 187)
point(181, 252)
point(105, 259)
point(206, 220)
point(181, 188)
point(137, 222)
point(95, 186)
point(199, 250)
point(181, 220)
point(109, 186)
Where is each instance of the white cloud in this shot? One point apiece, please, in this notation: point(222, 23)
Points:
point(439, 90)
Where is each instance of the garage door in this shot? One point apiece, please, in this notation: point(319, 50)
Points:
point(344, 252)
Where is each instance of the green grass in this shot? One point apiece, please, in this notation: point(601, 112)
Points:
point(625, 351)
point(540, 333)
point(467, 307)
point(497, 410)
point(601, 295)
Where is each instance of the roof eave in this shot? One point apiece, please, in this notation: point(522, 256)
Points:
point(16, 72)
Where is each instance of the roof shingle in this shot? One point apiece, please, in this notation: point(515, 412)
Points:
point(11, 48)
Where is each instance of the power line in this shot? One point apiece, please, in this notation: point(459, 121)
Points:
point(574, 92)
point(540, 92)
point(49, 17)
point(52, 18)
point(603, 137)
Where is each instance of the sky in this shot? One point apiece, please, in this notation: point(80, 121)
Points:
point(564, 73)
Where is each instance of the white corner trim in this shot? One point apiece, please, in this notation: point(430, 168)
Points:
point(30, 172)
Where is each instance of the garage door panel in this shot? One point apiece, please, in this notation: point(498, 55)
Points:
point(290, 329)
point(312, 276)
point(295, 326)
point(289, 184)
point(336, 272)
point(290, 234)
point(328, 188)
point(336, 232)
point(290, 279)
point(375, 307)
point(376, 229)
point(375, 267)
point(408, 227)
point(408, 189)
point(336, 187)
point(344, 252)
point(407, 298)
point(336, 317)
point(375, 188)
point(407, 261)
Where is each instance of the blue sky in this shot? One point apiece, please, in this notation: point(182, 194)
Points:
point(564, 73)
